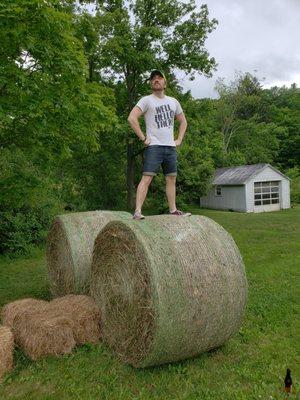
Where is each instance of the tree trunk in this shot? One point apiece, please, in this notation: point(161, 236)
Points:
point(131, 100)
point(130, 174)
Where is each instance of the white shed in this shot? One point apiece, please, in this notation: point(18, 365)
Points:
point(248, 188)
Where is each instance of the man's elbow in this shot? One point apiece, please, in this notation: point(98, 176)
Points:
point(183, 123)
point(130, 119)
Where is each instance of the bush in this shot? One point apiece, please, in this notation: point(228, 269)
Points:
point(20, 229)
point(294, 175)
point(28, 202)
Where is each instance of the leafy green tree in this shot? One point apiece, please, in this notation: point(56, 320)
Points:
point(43, 80)
point(195, 155)
point(48, 108)
point(28, 201)
point(294, 175)
point(248, 133)
point(284, 110)
point(138, 36)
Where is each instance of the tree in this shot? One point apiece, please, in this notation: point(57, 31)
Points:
point(238, 100)
point(43, 80)
point(284, 110)
point(137, 36)
point(248, 133)
point(47, 110)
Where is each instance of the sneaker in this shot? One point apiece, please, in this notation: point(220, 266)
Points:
point(138, 215)
point(181, 213)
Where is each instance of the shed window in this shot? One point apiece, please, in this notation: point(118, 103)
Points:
point(218, 190)
point(266, 193)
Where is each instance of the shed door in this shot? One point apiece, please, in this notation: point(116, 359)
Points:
point(266, 196)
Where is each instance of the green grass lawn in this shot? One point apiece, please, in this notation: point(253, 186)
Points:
point(251, 365)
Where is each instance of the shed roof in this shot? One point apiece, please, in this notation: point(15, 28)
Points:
point(239, 175)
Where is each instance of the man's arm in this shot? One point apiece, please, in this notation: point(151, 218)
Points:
point(133, 120)
point(182, 128)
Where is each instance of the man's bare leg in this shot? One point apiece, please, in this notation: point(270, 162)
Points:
point(141, 192)
point(171, 192)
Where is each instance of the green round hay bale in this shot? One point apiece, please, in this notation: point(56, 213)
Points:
point(168, 287)
point(69, 249)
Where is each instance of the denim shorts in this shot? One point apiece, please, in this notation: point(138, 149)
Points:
point(156, 156)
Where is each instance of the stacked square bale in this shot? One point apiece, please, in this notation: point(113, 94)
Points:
point(6, 350)
point(85, 315)
point(44, 328)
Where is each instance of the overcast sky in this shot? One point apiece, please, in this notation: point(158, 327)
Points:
point(257, 36)
point(252, 35)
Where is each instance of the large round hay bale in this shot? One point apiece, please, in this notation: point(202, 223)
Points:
point(70, 246)
point(6, 350)
point(168, 287)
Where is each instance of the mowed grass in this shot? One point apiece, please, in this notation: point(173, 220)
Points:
point(251, 365)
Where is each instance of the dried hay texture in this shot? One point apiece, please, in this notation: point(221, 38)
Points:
point(43, 332)
point(168, 287)
point(69, 249)
point(85, 315)
point(11, 310)
point(6, 350)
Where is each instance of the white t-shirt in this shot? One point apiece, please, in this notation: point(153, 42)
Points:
point(159, 117)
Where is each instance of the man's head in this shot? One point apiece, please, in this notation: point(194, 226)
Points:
point(158, 81)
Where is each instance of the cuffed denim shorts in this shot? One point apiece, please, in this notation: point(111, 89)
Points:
point(156, 156)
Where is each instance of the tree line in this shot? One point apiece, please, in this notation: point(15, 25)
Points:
point(69, 78)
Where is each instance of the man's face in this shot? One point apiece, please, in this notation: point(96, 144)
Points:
point(158, 83)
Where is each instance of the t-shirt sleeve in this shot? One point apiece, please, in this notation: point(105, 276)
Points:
point(178, 109)
point(143, 104)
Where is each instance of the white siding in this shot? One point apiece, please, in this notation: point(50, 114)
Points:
point(268, 174)
point(285, 192)
point(233, 197)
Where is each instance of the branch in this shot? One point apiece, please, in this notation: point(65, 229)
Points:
point(230, 136)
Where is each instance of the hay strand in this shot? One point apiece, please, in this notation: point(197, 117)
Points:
point(15, 308)
point(42, 332)
point(6, 350)
point(70, 246)
point(85, 315)
point(168, 287)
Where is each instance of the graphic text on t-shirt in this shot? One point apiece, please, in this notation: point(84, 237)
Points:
point(164, 116)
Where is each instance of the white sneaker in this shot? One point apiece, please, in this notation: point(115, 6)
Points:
point(138, 215)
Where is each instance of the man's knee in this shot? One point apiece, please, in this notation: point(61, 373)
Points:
point(171, 179)
point(146, 179)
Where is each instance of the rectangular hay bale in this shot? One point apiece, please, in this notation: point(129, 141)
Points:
point(84, 313)
point(15, 308)
point(6, 350)
point(43, 332)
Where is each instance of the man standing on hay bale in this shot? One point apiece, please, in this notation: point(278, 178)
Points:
point(159, 111)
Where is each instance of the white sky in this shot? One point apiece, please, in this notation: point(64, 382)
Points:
point(256, 36)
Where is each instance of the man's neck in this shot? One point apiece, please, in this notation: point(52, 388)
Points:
point(159, 93)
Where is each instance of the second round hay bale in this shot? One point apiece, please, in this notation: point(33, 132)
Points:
point(168, 287)
point(17, 307)
point(85, 315)
point(6, 350)
point(69, 249)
